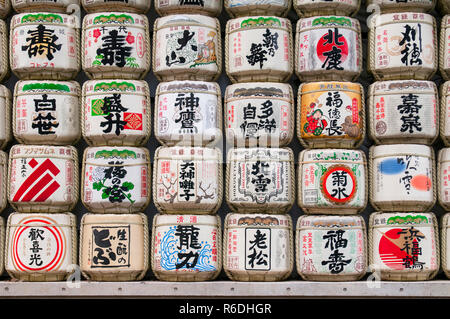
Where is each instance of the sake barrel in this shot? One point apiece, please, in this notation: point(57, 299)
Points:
point(258, 247)
point(332, 181)
point(46, 112)
point(331, 114)
point(211, 8)
point(259, 114)
point(443, 178)
point(404, 111)
point(259, 49)
point(116, 45)
point(187, 47)
point(116, 112)
point(58, 6)
point(444, 46)
point(43, 178)
point(5, 9)
point(187, 180)
point(331, 248)
point(5, 116)
point(402, 6)
point(328, 48)
point(4, 51)
point(402, 177)
point(188, 113)
point(445, 254)
point(114, 247)
point(444, 118)
point(134, 6)
point(404, 246)
point(41, 247)
point(2, 244)
point(116, 179)
point(402, 46)
point(310, 8)
point(44, 46)
point(186, 247)
point(3, 180)
point(243, 8)
point(260, 180)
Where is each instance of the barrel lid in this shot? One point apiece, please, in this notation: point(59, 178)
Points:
point(100, 155)
point(258, 22)
point(331, 221)
point(400, 17)
point(186, 20)
point(38, 86)
point(260, 153)
point(402, 218)
point(56, 219)
point(188, 86)
point(126, 18)
point(108, 219)
point(403, 86)
point(29, 151)
point(47, 18)
point(258, 90)
point(166, 219)
point(330, 155)
point(257, 220)
point(188, 153)
point(305, 24)
point(111, 86)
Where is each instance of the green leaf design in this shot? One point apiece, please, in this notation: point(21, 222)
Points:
point(105, 195)
point(128, 185)
point(97, 186)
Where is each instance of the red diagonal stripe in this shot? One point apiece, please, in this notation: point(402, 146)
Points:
point(46, 165)
point(46, 194)
point(44, 181)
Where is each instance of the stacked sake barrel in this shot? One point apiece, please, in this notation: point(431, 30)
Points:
point(259, 125)
point(43, 182)
point(5, 124)
point(115, 122)
point(187, 174)
point(443, 7)
point(332, 172)
point(403, 123)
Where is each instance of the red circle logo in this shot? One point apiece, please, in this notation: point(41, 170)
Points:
point(332, 41)
point(339, 184)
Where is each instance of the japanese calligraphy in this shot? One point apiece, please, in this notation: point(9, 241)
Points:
point(112, 109)
point(411, 238)
point(260, 172)
point(44, 118)
point(333, 57)
point(334, 241)
point(188, 246)
point(257, 248)
point(260, 51)
point(111, 246)
point(36, 237)
point(334, 102)
point(114, 50)
point(409, 109)
point(111, 184)
point(42, 42)
point(176, 55)
point(412, 45)
point(407, 176)
point(188, 113)
point(258, 119)
point(186, 179)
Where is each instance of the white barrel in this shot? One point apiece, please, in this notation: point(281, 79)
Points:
point(116, 112)
point(310, 8)
point(444, 46)
point(402, 177)
point(328, 48)
point(134, 6)
point(187, 47)
point(42, 178)
point(188, 113)
point(259, 49)
point(331, 114)
point(404, 111)
point(116, 179)
point(3, 180)
point(258, 247)
point(259, 114)
point(211, 8)
point(46, 112)
point(4, 51)
point(444, 244)
point(186, 247)
point(244, 8)
point(402, 6)
point(443, 177)
point(5, 116)
point(402, 46)
point(332, 181)
point(44, 46)
point(331, 248)
point(61, 6)
point(404, 246)
point(260, 180)
point(114, 247)
point(41, 247)
point(115, 45)
point(444, 115)
point(187, 180)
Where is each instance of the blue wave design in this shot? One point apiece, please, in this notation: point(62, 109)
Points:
point(169, 253)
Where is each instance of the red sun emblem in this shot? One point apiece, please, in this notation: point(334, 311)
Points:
point(332, 41)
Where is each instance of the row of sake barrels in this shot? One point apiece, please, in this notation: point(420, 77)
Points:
point(257, 48)
point(398, 177)
point(329, 114)
point(255, 247)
